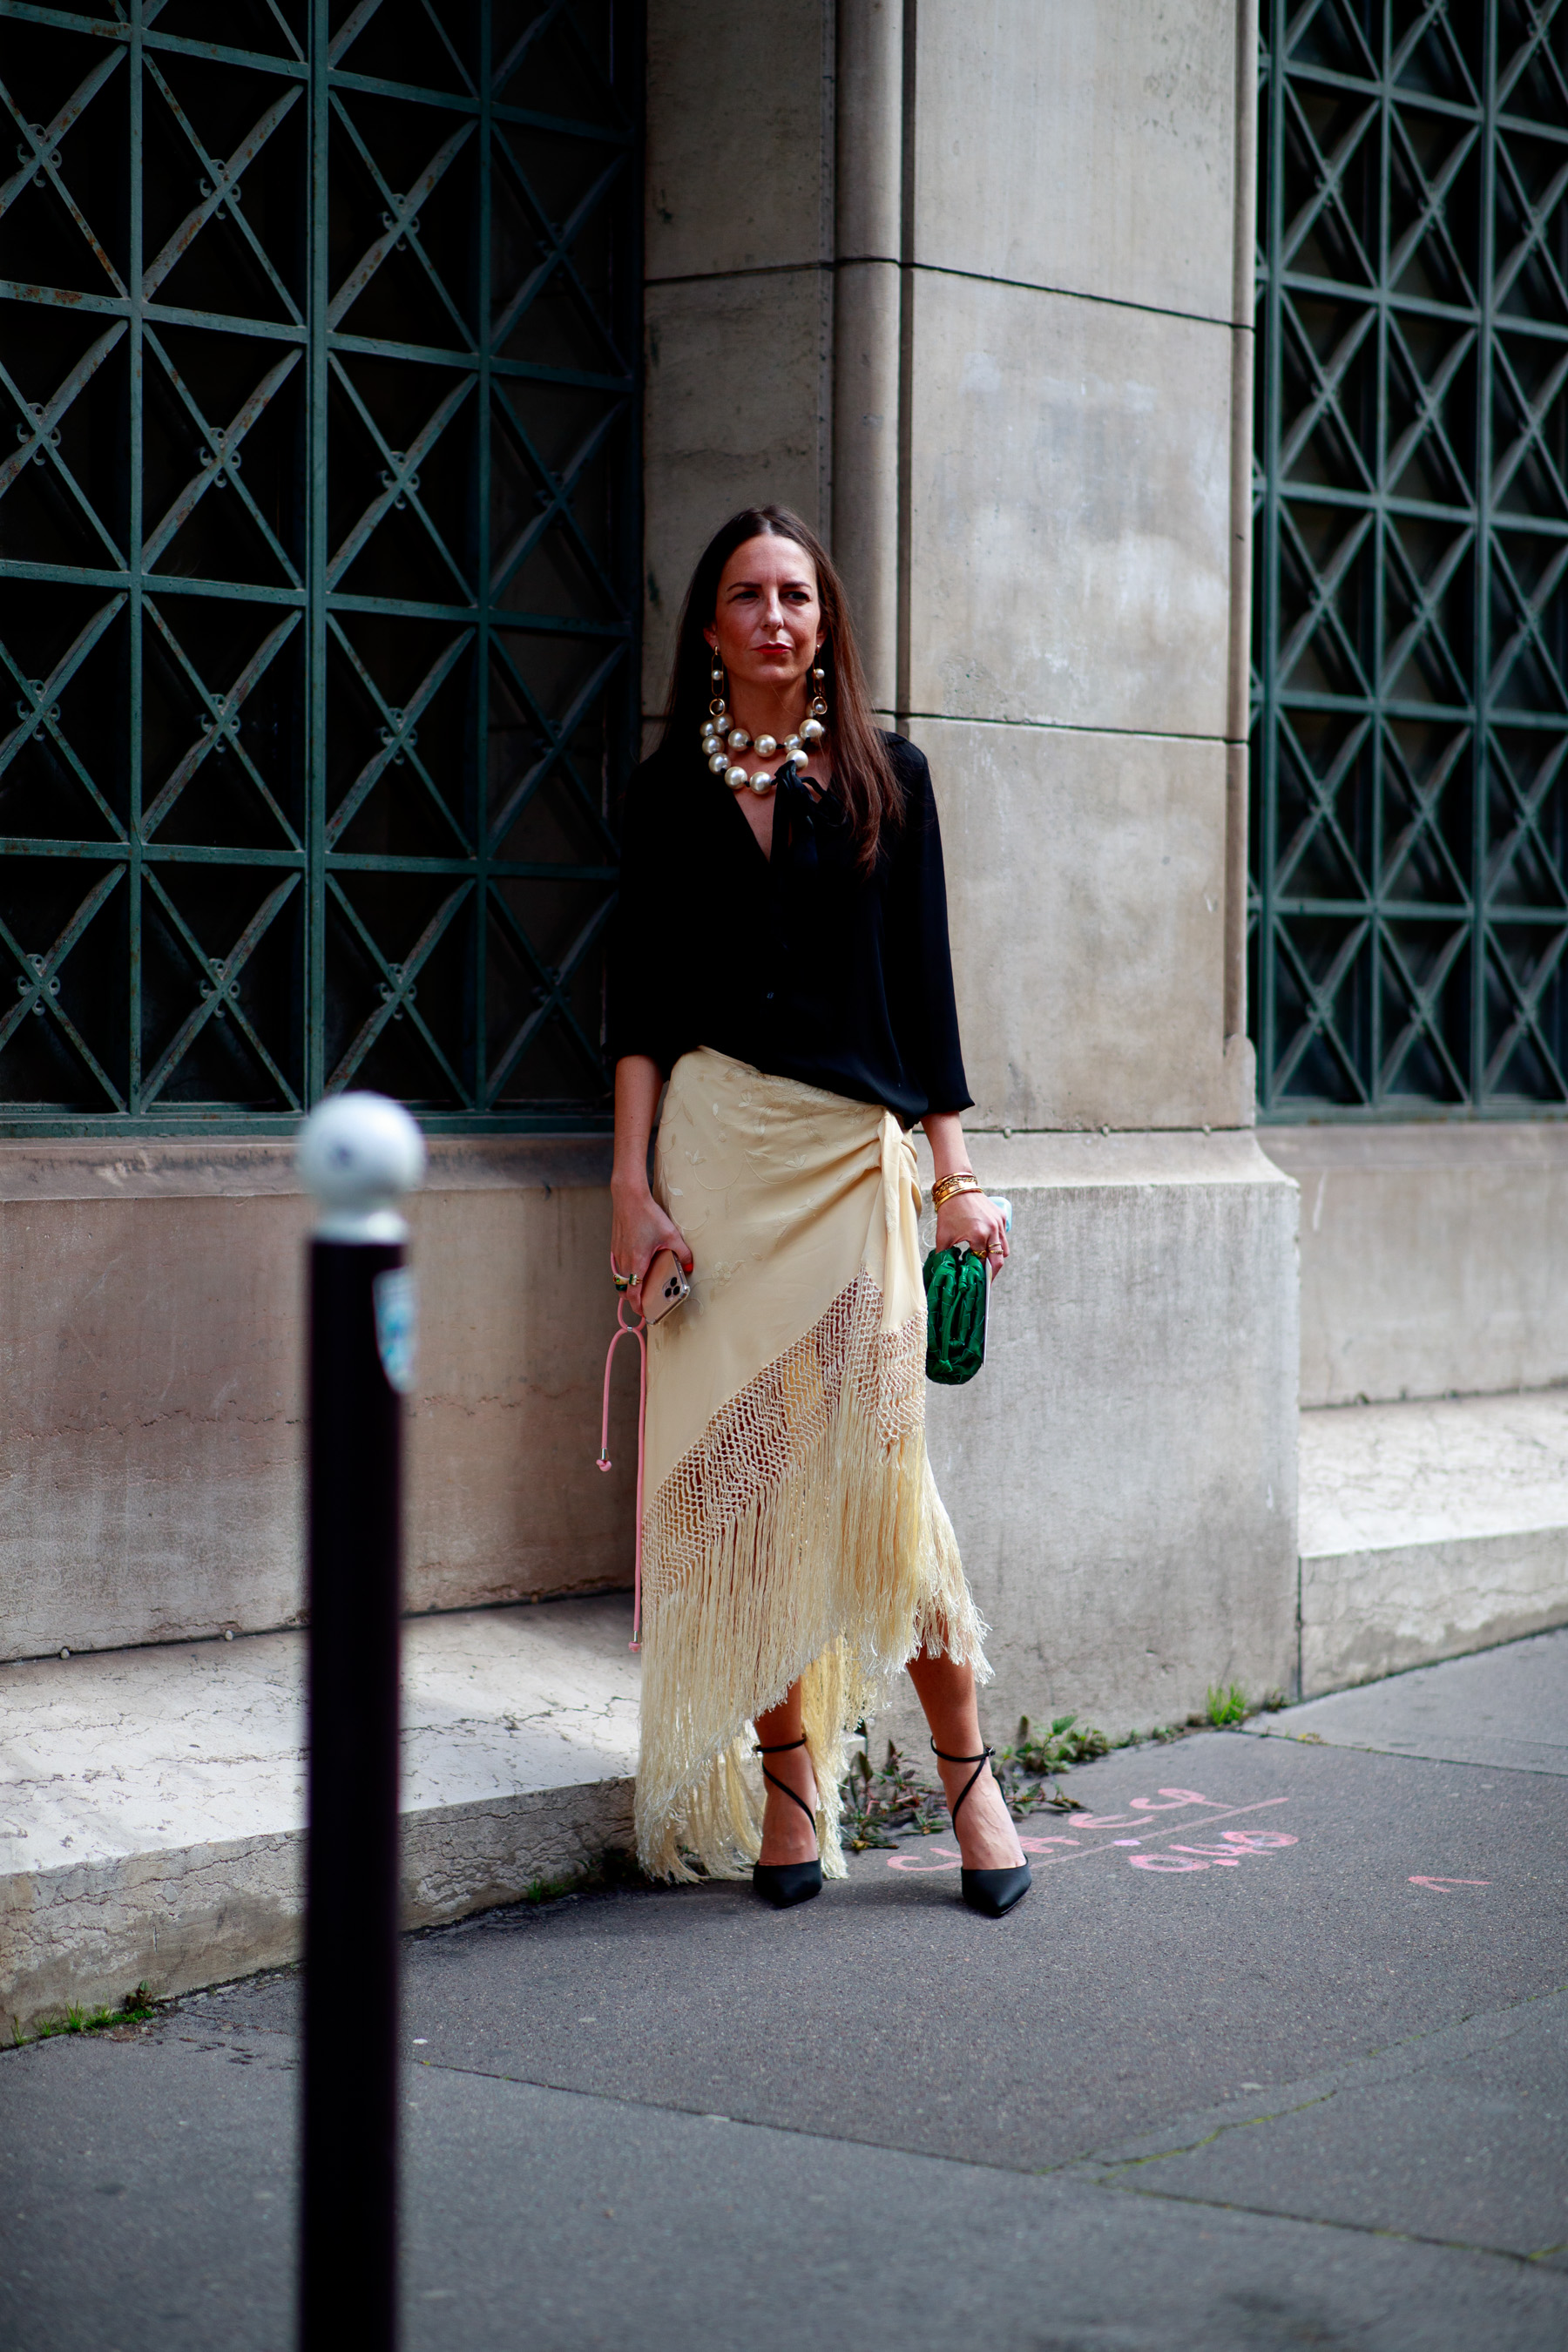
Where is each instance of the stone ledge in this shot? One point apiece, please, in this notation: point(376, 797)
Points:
point(1473, 1143)
point(235, 1168)
point(152, 1802)
point(1059, 1160)
point(1429, 1529)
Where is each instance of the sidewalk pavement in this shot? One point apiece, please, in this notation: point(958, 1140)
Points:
point(1275, 2055)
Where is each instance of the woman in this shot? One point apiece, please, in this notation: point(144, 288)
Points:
point(781, 957)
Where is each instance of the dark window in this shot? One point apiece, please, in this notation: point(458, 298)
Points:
point(1410, 748)
point(319, 555)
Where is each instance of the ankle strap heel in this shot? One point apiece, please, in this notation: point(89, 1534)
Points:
point(785, 1884)
point(992, 1893)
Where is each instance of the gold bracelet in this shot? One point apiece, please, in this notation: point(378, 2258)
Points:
point(948, 1188)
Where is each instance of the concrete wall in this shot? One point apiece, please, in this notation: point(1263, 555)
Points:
point(1434, 1259)
point(737, 303)
point(1072, 336)
point(150, 1410)
point(1121, 1474)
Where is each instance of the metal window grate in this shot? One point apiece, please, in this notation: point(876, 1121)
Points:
point(319, 555)
point(1409, 911)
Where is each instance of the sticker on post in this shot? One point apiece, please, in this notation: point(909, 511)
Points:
point(396, 1324)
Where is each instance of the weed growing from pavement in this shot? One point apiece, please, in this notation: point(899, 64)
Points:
point(613, 1870)
point(883, 1803)
point(134, 2009)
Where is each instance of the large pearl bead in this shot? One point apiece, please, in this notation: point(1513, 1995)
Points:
point(766, 746)
point(813, 731)
point(739, 739)
point(736, 778)
point(761, 783)
point(718, 762)
point(792, 742)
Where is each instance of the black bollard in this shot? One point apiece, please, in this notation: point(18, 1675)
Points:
point(358, 1153)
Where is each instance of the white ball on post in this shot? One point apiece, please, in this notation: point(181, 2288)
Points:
point(360, 1154)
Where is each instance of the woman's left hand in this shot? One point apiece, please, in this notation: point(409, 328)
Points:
point(971, 1217)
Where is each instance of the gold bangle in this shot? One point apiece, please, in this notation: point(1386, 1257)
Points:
point(948, 1188)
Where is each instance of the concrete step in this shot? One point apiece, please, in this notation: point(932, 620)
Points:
point(1429, 1529)
point(151, 1801)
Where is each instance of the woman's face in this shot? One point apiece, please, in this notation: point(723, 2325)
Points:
point(767, 624)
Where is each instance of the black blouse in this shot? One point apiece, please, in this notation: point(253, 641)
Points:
point(801, 965)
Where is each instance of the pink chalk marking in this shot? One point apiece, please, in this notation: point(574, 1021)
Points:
point(917, 1869)
point(1107, 1846)
point(1143, 1805)
point(1229, 1855)
point(1447, 1886)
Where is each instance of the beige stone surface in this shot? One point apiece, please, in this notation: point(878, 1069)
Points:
point(735, 413)
point(1434, 1257)
point(1122, 1474)
point(1070, 547)
point(1086, 878)
point(151, 1312)
point(1086, 145)
point(740, 132)
point(152, 1801)
point(1428, 1530)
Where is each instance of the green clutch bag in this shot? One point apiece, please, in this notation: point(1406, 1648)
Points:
point(956, 1285)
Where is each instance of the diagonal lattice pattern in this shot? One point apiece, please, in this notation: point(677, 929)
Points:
point(318, 554)
point(1409, 911)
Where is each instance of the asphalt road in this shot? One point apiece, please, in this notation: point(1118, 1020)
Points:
point(1276, 2055)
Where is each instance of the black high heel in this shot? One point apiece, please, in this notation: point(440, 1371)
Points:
point(990, 1892)
point(783, 1882)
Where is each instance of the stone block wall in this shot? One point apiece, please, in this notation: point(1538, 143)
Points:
point(152, 1308)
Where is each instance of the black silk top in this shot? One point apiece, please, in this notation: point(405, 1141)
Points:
point(801, 965)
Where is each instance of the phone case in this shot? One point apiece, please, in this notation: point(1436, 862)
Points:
point(664, 1288)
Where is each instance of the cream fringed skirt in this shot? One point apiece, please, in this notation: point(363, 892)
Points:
point(791, 1527)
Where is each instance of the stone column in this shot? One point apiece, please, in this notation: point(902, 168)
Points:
point(739, 297)
point(868, 242)
point(1039, 246)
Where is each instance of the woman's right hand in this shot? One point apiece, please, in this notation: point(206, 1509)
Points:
point(640, 1230)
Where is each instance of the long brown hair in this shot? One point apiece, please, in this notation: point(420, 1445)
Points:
point(863, 774)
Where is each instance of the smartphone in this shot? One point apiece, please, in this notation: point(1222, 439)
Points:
point(664, 1285)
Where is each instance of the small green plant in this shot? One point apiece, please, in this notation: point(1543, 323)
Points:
point(1063, 1744)
point(610, 1873)
point(1273, 1701)
point(134, 2009)
point(881, 1802)
point(1227, 1705)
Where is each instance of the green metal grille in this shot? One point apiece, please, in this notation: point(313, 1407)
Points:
point(1410, 830)
point(319, 555)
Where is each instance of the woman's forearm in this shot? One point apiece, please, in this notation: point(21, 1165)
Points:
point(638, 1082)
point(945, 1133)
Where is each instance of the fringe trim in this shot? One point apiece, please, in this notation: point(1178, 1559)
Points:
point(802, 1538)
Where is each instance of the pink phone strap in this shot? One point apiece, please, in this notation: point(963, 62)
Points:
point(637, 1331)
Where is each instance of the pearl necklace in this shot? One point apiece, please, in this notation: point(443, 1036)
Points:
point(721, 739)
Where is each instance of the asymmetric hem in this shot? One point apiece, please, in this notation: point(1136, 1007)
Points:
point(792, 1528)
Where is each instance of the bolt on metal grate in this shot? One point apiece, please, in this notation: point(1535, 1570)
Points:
point(319, 564)
point(1409, 895)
